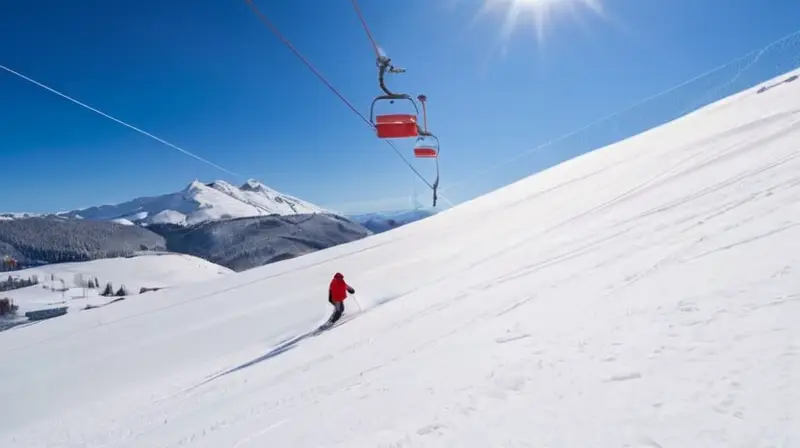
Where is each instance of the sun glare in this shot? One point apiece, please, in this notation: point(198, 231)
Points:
point(539, 11)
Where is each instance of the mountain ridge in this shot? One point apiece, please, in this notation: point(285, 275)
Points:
point(219, 200)
point(196, 203)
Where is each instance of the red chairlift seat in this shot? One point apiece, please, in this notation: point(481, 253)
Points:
point(427, 146)
point(396, 126)
point(425, 152)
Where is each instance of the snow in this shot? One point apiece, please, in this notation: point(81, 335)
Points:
point(17, 215)
point(149, 271)
point(200, 202)
point(168, 216)
point(643, 295)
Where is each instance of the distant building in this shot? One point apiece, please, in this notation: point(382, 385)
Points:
point(9, 264)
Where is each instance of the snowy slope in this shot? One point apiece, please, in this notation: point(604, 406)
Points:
point(652, 303)
point(200, 202)
point(148, 271)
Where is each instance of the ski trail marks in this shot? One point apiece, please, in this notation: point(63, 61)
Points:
point(258, 434)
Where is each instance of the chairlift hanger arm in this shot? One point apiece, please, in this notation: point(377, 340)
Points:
point(424, 131)
point(428, 151)
point(385, 65)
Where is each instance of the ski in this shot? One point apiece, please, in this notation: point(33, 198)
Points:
point(327, 326)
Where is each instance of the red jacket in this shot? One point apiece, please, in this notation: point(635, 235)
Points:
point(338, 289)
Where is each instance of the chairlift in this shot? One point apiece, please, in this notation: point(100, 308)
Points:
point(394, 125)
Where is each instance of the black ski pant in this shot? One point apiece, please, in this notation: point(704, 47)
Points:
point(338, 310)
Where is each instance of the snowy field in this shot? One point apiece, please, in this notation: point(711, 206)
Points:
point(148, 271)
point(644, 295)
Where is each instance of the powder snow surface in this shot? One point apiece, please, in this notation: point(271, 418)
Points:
point(61, 284)
point(643, 295)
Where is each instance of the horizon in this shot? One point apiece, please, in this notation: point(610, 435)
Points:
point(221, 80)
point(209, 184)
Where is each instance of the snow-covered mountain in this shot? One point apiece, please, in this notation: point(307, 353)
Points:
point(8, 216)
point(200, 202)
point(249, 226)
point(238, 243)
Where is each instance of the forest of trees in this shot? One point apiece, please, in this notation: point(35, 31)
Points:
point(245, 243)
point(238, 244)
point(54, 240)
point(7, 308)
point(12, 283)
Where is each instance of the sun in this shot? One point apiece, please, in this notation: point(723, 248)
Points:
point(541, 12)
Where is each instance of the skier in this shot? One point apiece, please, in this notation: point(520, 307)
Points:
point(337, 292)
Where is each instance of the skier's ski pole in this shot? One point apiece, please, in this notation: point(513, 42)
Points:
point(359, 305)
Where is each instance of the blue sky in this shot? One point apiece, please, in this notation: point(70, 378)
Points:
point(208, 76)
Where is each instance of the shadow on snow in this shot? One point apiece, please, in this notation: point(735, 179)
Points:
point(288, 344)
point(279, 349)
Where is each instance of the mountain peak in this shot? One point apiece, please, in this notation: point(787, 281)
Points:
point(194, 186)
point(253, 185)
point(200, 202)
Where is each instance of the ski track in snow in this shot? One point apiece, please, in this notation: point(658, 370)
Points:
point(644, 295)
